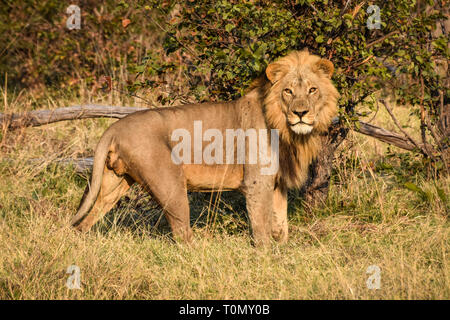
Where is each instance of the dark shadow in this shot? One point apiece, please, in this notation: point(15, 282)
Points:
point(139, 213)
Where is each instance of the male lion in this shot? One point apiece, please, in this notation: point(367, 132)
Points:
point(294, 96)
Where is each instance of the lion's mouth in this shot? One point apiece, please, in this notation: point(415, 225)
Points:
point(300, 122)
point(301, 127)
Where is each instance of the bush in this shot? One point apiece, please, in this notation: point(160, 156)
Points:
point(226, 44)
point(40, 51)
point(222, 45)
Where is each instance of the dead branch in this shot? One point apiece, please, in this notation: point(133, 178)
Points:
point(42, 117)
point(80, 165)
point(410, 139)
point(384, 135)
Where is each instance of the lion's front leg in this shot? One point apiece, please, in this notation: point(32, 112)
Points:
point(279, 215)
point(259, 207)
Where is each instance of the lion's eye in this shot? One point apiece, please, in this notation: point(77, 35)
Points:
point(312, 90)
point(288, 91)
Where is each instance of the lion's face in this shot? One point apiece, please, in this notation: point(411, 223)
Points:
point(301, 100)
point(301, 84)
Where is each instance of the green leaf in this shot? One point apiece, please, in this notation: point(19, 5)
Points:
point(442, 195)
point(411, 186)
point(229, 27)
point(424, 195)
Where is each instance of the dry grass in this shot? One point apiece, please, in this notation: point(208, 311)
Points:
point(370, 219)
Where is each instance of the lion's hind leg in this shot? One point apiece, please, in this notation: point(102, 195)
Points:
point(167, 184)
point(112, 189)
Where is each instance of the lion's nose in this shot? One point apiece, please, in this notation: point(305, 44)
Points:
point(300, 114)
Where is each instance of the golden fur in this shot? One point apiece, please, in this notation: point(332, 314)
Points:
point(297, 151)
point(295, 96)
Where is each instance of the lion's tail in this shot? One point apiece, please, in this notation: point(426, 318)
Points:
point(101, 153)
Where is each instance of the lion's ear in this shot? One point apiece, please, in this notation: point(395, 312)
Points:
point(326, 66)
point(274, 72)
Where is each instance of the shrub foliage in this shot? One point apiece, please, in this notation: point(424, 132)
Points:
point(220, 46)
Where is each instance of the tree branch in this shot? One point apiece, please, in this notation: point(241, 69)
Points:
point(371, 44)
point(42, 117)
point(389, 137)
point(80, 165)
point(389, 110)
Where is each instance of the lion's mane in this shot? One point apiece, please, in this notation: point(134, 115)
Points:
point(297, 151)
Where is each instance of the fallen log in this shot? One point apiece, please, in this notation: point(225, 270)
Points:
point(80, 165)
point(42, 117)
point(384, 135)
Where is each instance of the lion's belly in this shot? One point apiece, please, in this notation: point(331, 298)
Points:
point(213, 177)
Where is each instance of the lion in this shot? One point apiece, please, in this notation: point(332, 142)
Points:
point(294, 99)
